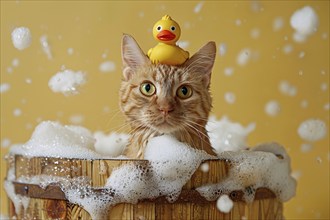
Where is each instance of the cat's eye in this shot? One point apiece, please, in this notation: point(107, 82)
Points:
point(147, 89)
point(184, 92)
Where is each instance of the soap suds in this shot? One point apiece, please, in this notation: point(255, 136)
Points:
point(112, 144)
point(5, 142)
point(305, 22)
point(198, 7)
point(67, 82)
point(76, 119)
point(21, 38)
point(278, 23)
point(107, 66)
point(272, 108)
point(228, 71)
point(46, 47)
point(287, 88)
point(266, 165)
point(223, 49)
point(51, 139)
point(226, 135)
point(225, 204)
point(312, 130)
point(17, 112)
point(230, 97)
point(243, 57)
point(183, 44)
point(4, 87)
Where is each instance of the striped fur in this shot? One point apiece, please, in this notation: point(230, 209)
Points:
point(189, 116)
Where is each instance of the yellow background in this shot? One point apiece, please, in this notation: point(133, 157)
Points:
point(94, 28)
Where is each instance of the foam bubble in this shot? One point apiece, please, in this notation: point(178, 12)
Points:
point(15, 62)
point(67, 82)
point(112, 144)
point(4, 87)
point(306, 147)
point(226, 135)
point(5, 142)
point(225, 204)
point(222, 49)
point(287, 89)
point(272, 108)
point(255, 33)
point(76, 119)
point(46, 46)
point(243, 57)
point(267, 165)
point(17, 112)
point(198, 7)
point(326, 106)
point(278, 23)
point(183, 44)
point(70, 51)
point(287, 48)
point(304, 21)
point(107, 66)
point(312, 130)
point(51, 139)
point(21, 38)
point(205, 167)
point(230, 97)
point(228, 71)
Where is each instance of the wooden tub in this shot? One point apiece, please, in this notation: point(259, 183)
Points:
point(51, 203)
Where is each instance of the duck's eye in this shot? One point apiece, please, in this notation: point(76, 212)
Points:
point(147, 89)
point(184, 92)
point(173, 28)
point(159, 28)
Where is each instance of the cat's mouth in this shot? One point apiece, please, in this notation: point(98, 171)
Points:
point(164, 125)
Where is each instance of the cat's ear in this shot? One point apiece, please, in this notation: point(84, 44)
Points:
point(202, 61)
point(132, 56)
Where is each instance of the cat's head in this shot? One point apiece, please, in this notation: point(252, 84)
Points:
point(166, 98)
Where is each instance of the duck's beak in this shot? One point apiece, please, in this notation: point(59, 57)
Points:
point(165, 35)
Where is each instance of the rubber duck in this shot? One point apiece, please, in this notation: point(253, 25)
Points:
point(167, 32)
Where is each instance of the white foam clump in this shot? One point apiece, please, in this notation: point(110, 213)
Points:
point(272, 108)
point(244, 56)
point(46, 46)
point(21, 38)
point(230, 97)
point(51, 139)
point(172, 164)
point(267, 165)
point(312, 130)
point(67, 81)
point(19, 201)
point(305, 22)
point(226, 135)
point(225, 204)
point(112, 144)
point(107, 66)
point(4, 87)
point(287, 88)
point(278, 23)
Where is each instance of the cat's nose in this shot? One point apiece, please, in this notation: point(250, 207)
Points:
point(165, 110)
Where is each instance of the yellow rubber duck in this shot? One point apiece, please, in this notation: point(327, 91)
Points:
point(167, 32)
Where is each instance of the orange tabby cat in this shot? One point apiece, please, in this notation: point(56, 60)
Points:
point(162, 99)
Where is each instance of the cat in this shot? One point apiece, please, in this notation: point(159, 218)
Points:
point(161, 99)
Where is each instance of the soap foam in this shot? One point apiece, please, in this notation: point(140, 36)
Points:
point(21, 38)
point(287, 88)
point(107, 66)
point(243, 56)
point(110, 145)
point(46, 47)
point(225, 204)
point(267, 165)
point(67, 82)
point(226, 135)
point(312, 130)
point(305, 22)
point(51, 139)
point(4, 87)
point(272, 108)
